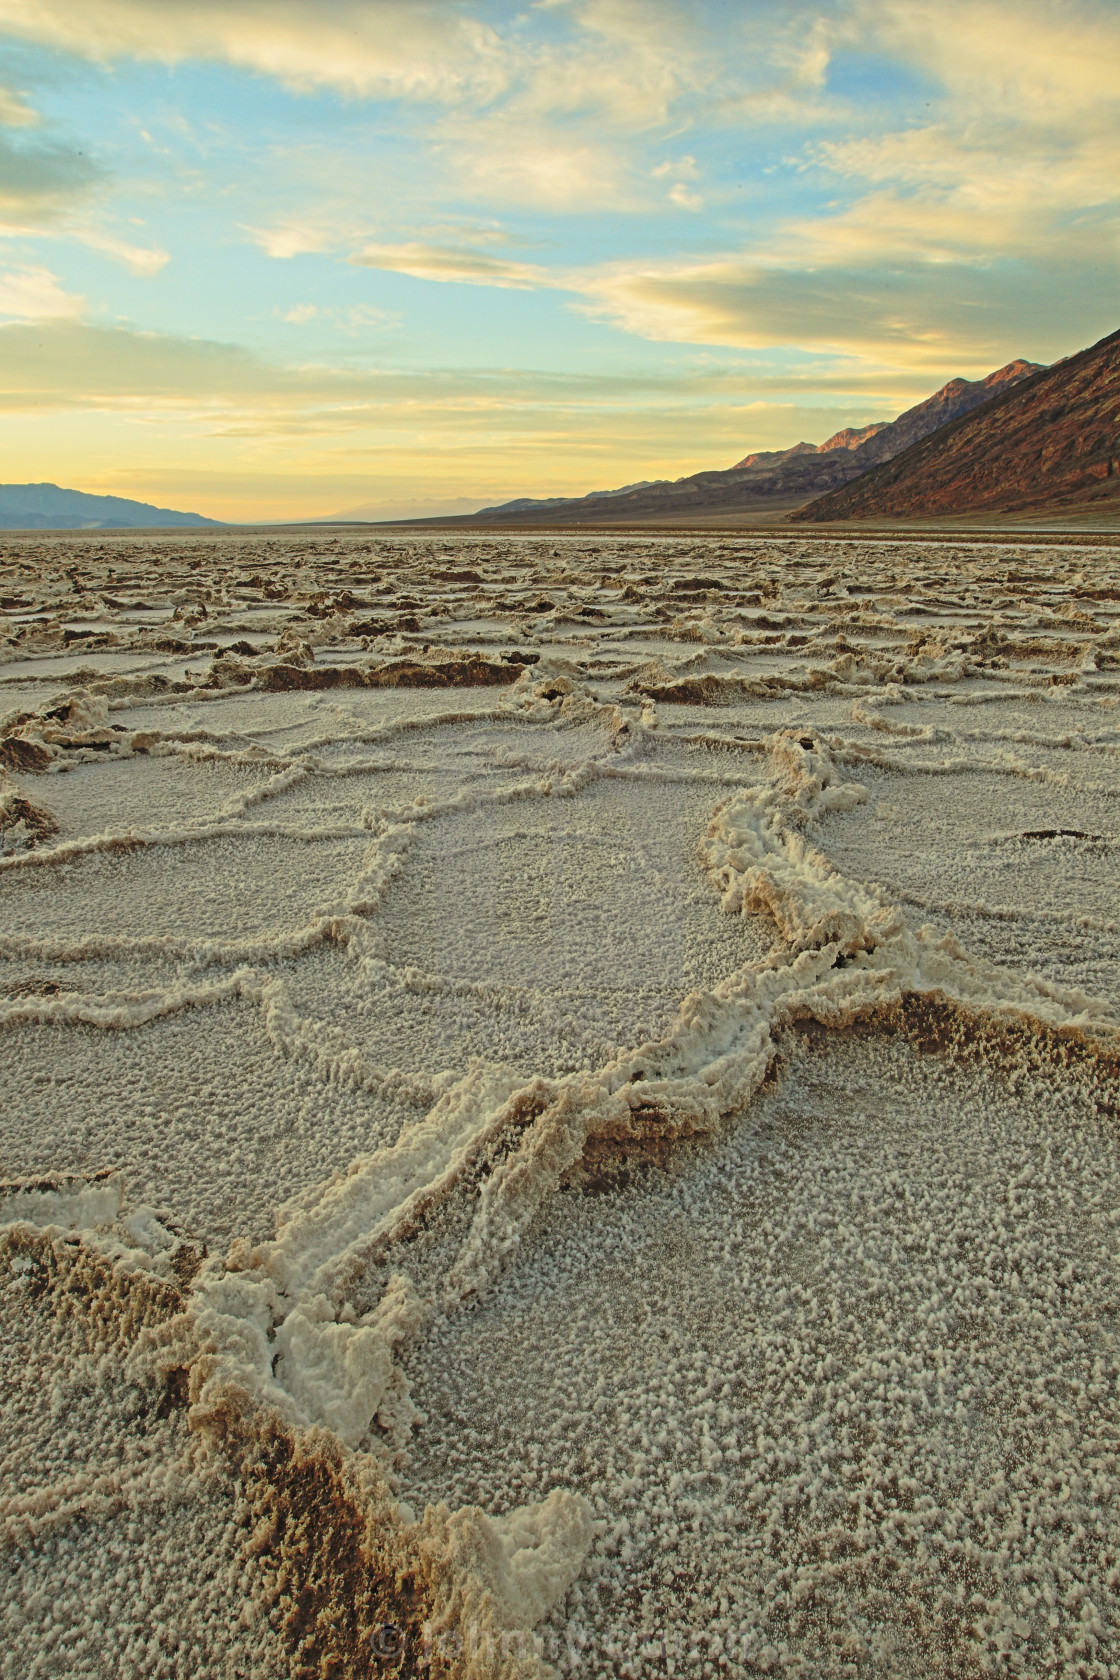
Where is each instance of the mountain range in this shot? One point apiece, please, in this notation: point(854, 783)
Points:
point(1026, 439)
point(1046, 444)
point(47, 507)
point(768, 483)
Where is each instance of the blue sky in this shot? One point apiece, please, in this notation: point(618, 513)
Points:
point(278, 259)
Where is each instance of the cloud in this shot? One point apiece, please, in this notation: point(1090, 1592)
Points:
point(569, 132)
point(68, 364)
point(15, 112)
point(290, 239)
point(357, 318)
point(626, 62)
point(34, 294)
point(418, 49)
point(684, 198)
point(913, 315)
point(514, 160)
point(1044, 63)
point(441, 262)
point(40, 180)
point(145, 261)
point(1025, 137)
point(979, 225)
point(193, 422)
point(680, 169)
point(428, 507)
point(988, 230)
point(548, 108)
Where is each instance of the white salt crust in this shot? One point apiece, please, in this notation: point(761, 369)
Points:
point(370, 989)
point(122, 1548)
point(838, 1390)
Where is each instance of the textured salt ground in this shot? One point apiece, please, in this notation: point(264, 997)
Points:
point(843, 1389)
point(512, 746)
point(335, 796)
point(200, 889)
point(427, 1024)
point(992, 842)
point(983, 706)
point(29, 975)
point(721, 747)
point(542, 934)
point(1083, 959)
point(65, 668)
point(21, 695)
point(146, 1576)
point(597, 899)
point(279, 718)
point(199, 1111)
point(452, 742)
point(130, 793)
point(290, 716)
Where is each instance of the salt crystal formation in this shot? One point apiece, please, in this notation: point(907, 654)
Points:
point(560, 1107)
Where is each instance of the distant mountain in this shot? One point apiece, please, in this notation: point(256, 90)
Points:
point(849, 438)
point(525, 503)
point(1049, 442)
point(45, 507)
point(769, 482)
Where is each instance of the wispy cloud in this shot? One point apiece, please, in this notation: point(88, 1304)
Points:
point(30, 293)
point(357, 318)
point(290, 239)
point(189, 421)
point(72, 363)
point(39, 179)
point(416, 48)
point(442, 262)
point(986, 229)
point(547, 109)
point(952, 318)
point(146, 261)
point(15, 112)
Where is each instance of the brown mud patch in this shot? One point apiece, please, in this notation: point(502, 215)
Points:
point(18, 754)
point(332, 1578)
point(398, 673)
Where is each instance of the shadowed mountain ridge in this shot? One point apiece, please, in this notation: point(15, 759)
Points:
point(767, 482)
point(1050, 442)
point(48, 507)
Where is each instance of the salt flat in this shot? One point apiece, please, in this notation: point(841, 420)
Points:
point(560, 1105)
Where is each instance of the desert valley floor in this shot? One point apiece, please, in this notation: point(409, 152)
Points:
point(560, 1107)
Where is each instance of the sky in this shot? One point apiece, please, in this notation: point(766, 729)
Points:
point(284, 259)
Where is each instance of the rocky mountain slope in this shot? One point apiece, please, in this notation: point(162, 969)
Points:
point(46, 507)
point(850, 438)
point(1050, 442)
point(768, 482)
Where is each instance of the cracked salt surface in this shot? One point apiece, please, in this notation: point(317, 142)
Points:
point(1032, 878)
point(609, 1169)
point(221, 1152)
point(839, 1388)
point(122, 1542)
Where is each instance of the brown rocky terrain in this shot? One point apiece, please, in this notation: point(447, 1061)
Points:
point(1050, 442)
point(767, 483)
point(850, 438)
